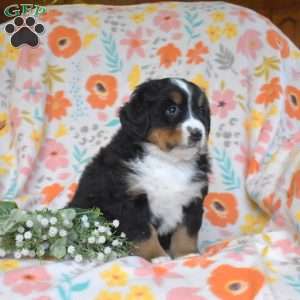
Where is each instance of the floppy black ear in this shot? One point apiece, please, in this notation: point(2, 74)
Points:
point(135, 117)
point(206, 111)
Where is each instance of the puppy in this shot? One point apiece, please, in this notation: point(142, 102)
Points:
point(153, 175)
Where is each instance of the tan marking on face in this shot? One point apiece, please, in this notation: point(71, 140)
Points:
point(165, 139)
point(149, 248)
point(182, 243)
point(176, 97)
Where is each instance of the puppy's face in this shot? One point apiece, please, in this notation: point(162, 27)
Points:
point(170, 113)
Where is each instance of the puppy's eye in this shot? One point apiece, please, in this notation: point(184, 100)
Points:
point(172, 111)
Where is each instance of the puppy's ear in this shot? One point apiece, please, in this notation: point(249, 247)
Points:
point(206, 111)
point(135, 117)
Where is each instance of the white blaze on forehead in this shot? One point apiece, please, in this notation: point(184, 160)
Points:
point(190, 122)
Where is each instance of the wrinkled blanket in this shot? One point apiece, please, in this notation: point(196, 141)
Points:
point(59, 103)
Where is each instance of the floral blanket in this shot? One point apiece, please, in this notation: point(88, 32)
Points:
point(59, 103)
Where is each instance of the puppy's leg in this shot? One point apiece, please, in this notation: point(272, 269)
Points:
point(182, 243)
point(149, 248)
point(184, 239)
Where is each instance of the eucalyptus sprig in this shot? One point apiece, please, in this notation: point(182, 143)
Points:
point(79, 234)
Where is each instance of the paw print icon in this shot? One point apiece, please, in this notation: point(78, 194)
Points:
point(24, 31)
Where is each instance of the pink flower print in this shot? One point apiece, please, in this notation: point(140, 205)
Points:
point(184, 293)
point(32, 91)
point(26, 280)
point(30, 57)
point(167, 20)
point(223, 102)
point(291, 142)
point(242, 14)
point(15, 119)
point(159, 272)
point(135, 43)
point(249, 43)
point(265, 132)
point(54, 155)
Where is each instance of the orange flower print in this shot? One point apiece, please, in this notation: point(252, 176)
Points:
point(271, 203)
point(51, 16)
point(292, 102)
point(57, 105)
point(294, 189)
point(72, 189)
point(232, 283)
point(278, 42)
point(269, 92)
point(64, 41)
point(195, 54)
point(197, 261)
point(216, 248)
point(168, 55)
point(253, 166)
point(103, 90)
point(50, 192)
point(221, 209)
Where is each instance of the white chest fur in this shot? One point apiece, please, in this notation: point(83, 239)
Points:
point(167, 179)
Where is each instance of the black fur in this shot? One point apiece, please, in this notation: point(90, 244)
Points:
point(103, 183)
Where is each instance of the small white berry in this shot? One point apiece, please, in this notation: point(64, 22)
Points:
point(53, 220)
point(62, 233)
point(101, 229)
point(78, 258)
point(116, 223)
point(96, 223)
point(107, 250)
point(17, 255)
point(52, 231)
point(86, 224)
point(29, 223)
point(115, 243)
point(44, 222)
point(44, 237)
point(100, 256)
point(40, 252)
point(91, 240)
point(123, 235)
point(71, 249)
point(101, 239)
point(21, 229)
point(84, 218)
point(25, 252)
point(109, 233)
point(2, 253)
point(19, 237)
point(27, 235)
point(67, 223)
point(19, 244)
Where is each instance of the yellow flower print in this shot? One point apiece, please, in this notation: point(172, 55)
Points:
point(255, 120)
point(106, 295)
point(230, 30)
point(36, 136)
point(11, 52)
point(134, 77)
point(2, 38)
point(214, 33)
point(9, 264)
point(2, 60)
point(218, 16)
point(295, 54)
point(201, 82)
point(115, 276)
point(151, 9)
point(298, 216)
point(254, 224)
point(140, 292)
point(7, 159)
point(3, 171)
point(4, 124)
point(94, 21)
point(138, 18)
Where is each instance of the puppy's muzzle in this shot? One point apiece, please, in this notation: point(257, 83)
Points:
point(195, 135)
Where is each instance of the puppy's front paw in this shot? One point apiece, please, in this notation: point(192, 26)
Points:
point(161, 259)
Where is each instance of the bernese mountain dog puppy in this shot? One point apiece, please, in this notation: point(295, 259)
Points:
point(153, 175)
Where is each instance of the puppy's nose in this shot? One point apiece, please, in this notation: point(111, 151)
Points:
point(195, 134)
